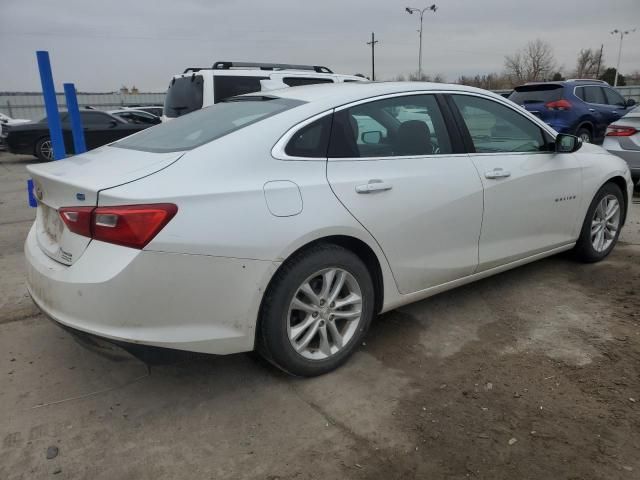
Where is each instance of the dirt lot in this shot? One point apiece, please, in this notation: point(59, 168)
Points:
point(532, 374)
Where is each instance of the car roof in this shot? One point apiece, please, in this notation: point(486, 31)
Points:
point(128, 110)
point(340, 93)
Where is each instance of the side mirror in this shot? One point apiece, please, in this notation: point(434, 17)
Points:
point(371, 137)
point(113, 123)
point(567, 143)
point(630, 102)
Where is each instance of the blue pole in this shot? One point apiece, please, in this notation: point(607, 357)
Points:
point(51, 105)
point(79, 145)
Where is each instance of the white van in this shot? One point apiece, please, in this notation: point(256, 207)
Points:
point(196, 88)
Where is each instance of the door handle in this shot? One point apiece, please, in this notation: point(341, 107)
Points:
point(497, 173)
point(592, 109)
point(373, 186)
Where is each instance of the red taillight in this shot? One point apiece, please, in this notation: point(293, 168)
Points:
point(77, 219)
point(620, 131)
point(558, 105)
point(128, 225)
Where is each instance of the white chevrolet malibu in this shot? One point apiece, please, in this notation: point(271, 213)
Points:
point(286, 221)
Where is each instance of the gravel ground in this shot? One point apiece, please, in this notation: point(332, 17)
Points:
point(531, 374)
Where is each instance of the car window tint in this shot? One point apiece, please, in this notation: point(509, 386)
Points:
point(411, 125)
point(497, 128)
point(580, 92)
point(594, 95)
point(183, 96)
point(311, 140)
point(225, 86)
point(96, 119)
point(614, 98)
point(298, 81)
point(207, 124)
point(542, 93)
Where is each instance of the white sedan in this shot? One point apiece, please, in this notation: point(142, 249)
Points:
point(286, 221)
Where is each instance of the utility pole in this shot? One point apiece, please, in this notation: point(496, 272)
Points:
point(622, 34)
point(599, 61)
point(373, 56)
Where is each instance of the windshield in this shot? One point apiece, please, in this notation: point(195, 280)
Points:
point(183, 96)
point(206, 125)
point(536, 94)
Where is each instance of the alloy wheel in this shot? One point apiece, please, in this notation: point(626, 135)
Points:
point(324, 314)
point(46, 149)
point(605, 223)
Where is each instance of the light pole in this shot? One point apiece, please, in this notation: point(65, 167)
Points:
point(411, 11)
point(622, 33)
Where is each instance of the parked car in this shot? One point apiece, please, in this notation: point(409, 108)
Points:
point(285, 222)
point(99, 129)
point(138, 117)
point(152, 109)
point(579, 107)
point(623, 140)
point(199, 87)
point(7, 120)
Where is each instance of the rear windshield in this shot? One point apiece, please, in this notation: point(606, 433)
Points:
point(225, 86)
point(207, 124)
point(536, 94)
point(183, 96)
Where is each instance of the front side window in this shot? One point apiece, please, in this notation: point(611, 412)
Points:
point(226, 86)
point(207, 124)
point(299, 81)
point(400, 126)
point(614, 98)
point(497, 128)
point(96, 119)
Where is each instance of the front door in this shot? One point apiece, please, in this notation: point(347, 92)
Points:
point(531, 194)
point(392, 164)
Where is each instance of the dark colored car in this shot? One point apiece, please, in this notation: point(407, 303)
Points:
point(579, 107)
point(99, 128)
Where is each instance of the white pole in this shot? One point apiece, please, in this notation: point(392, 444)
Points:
point(615, 81)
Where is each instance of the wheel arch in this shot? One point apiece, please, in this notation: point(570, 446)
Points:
point(622, 183)
point(357, 246)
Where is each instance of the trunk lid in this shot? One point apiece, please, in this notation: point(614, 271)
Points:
point(77, 181)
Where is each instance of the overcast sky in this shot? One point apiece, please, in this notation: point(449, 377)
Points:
point(101, 45)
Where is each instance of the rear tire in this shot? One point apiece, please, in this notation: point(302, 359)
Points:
point(602, 225)
point(44, 149)
point(585, 135)
point(311, 319)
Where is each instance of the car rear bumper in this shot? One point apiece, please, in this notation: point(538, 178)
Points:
point(197, 303)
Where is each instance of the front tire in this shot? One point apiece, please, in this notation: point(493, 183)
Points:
point(316, 311)
point(602, 225)
point(44, 149)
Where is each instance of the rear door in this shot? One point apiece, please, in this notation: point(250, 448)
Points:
point(597, 105)
point(395, 166)
point(101, 128)
point(531, 194)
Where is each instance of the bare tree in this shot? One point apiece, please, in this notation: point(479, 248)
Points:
point(535, 62)
point(491, 81)
point(439, 78)
point(588, 62)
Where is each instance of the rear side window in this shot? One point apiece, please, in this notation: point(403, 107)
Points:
point(312, 140)
point(225, 86)
point(536, 94)
point(207, 124)
point(299, 81)
point(411, 125)
point(183, 96)
point(594, 95)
